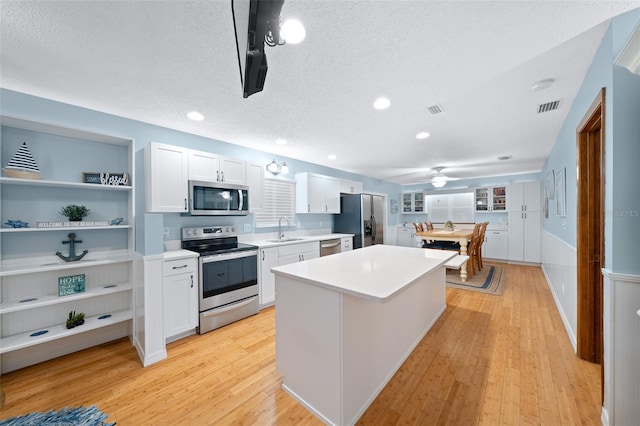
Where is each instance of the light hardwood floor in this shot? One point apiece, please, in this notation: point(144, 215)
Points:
point(488, 360)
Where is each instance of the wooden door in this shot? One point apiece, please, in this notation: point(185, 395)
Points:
point(590, 231)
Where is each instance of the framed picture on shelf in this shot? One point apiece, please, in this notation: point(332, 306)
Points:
point(561, 209)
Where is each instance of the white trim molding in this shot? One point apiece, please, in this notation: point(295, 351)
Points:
point(559, 265)
point(621, 328)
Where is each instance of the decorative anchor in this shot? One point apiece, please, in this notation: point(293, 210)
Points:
point(72, 250)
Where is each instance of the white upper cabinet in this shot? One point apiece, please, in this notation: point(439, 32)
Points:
point(165, 168)
point(523, 196)
point(350, 186)
point(204, 166)
point(413, 202)
point(317, 193)
point(491, 199)
point(255, 181)
point(169, 168)
point(215, 168)
point(232, 170)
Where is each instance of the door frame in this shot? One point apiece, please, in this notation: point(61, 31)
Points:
point(590, 156)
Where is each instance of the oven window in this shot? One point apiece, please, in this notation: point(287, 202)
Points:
point(228, 275)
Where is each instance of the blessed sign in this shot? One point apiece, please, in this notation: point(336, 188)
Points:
point(106, 178)
point(71, 285)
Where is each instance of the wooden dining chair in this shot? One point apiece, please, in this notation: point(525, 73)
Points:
point(483, 230)
point(472, 250)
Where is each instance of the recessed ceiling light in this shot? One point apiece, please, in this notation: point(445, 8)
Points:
point(195, 116)
point(382, 103)
point(542, 84)
point(293, 31)
point(332, 157)
point(281, 141)
point(422, 135)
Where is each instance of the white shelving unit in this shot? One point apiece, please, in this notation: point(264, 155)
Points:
point(31, 311)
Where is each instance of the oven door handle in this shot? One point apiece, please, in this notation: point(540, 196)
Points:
point(214, 312)
point(228, 256)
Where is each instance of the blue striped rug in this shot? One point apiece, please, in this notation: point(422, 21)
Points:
point(80, 416)
point(489, 280)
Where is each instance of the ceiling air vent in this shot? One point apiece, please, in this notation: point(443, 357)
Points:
point(435, 109)
point(549, 106)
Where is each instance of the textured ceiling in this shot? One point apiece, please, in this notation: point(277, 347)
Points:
point(154, 61)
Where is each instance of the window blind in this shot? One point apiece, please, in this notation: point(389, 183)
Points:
point(279, 200)
point(456, 207)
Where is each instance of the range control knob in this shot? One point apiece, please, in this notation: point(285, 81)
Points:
point(233, 229)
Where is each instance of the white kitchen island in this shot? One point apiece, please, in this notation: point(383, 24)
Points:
point(345, 323)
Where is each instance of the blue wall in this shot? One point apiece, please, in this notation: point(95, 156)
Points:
point(149, 227)
point(622, 151)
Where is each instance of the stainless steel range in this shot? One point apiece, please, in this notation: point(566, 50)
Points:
point(228, 279)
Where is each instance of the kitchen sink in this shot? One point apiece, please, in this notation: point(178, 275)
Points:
point(284, 240)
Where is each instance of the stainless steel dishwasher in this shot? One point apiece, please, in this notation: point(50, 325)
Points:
point(328, 247)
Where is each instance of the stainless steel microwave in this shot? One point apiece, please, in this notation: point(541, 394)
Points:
point(217, 199)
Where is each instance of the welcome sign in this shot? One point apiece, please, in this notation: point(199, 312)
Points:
point(71, 285)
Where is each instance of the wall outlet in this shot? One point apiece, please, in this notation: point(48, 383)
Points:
point(165, 232)
point(247, 227)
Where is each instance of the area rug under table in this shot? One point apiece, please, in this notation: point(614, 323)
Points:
point(489, 280)
point(79, 416)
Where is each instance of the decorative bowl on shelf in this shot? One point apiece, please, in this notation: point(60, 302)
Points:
point(17, 224)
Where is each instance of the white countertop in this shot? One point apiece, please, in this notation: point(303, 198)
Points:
point(298, 240)
point(375, 272)
point(179, 254)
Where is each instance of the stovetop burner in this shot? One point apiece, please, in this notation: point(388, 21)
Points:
point(213, 240)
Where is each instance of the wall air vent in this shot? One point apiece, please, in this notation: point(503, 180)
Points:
point(435, 109)
point(549, 106)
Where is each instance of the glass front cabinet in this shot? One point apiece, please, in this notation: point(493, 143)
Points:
point(491, 199)
point(413, 202)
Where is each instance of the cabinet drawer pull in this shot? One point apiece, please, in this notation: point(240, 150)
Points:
point(179, 267)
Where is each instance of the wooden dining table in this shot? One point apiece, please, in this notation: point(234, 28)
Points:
point(460, 235)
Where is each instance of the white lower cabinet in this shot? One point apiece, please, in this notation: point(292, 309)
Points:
point(407, 237)
point(268, 259)
point(496, 245)
point(346, 244)
point(278, 256)
point(298, 252)
point(180, 296)
point(524, 236)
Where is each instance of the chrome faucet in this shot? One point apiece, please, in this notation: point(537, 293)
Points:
point(280, 234)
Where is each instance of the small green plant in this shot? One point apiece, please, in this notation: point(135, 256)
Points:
point(74, 212)
point(448, 224)
point(75, 319)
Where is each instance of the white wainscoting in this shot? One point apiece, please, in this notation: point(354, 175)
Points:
point(621, 349)
point(559, 261)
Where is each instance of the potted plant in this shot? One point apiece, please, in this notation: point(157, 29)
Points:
point(448, 225)
point(75, 319)
point(74, 212)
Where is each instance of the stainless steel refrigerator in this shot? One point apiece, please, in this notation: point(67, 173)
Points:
point(361, 215)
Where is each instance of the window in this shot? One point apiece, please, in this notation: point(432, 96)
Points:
point(279, 200)
point(456, 207)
